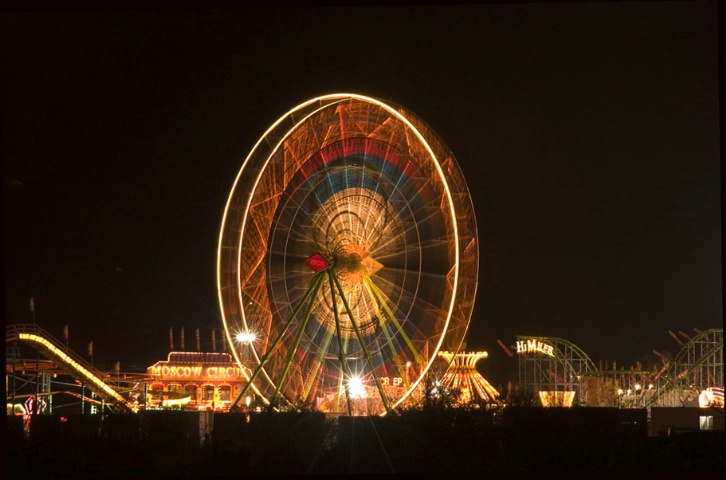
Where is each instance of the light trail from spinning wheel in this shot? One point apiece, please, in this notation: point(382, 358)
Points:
point(349, 250)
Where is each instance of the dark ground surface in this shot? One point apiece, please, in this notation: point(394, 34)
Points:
point(176, 444)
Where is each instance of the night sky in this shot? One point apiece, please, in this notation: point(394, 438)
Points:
point(588, 134)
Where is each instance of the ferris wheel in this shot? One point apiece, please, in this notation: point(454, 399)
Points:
point(348, 255)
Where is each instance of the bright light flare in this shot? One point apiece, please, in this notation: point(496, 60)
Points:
point(356, 389)
point(246, 337)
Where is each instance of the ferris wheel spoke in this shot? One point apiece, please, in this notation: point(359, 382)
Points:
point(318, 363)
point(434, 283)
point(375, 292)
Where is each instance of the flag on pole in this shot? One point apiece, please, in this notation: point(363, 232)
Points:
point(214, 340)
point(32, 305)
point(90, 349)
point(171, 339)
point(199, 348)
point(182, 339)
point(65, 332)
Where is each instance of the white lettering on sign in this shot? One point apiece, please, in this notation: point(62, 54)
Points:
point(534, 345)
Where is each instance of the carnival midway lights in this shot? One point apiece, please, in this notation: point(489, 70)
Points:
point(347, 267)
point(462, 376)
point(34, 335)
point(563, 375)
point(711, 397)
point(349, 249)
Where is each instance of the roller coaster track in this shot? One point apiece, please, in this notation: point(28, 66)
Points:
point(71, 363)
point(698, 366)
point(559, 365)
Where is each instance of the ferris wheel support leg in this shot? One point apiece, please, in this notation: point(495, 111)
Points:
point(342, 353)
point(272, 348)
point(363, 346)
point(317, 283)
point(379, 296)
point(375, 293)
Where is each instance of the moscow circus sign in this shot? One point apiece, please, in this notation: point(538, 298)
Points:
point(196, 371)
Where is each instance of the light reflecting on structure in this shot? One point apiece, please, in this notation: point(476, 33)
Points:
point(462, 376)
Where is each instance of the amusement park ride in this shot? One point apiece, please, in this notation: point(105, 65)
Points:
point(349, 247)
point(349, 255)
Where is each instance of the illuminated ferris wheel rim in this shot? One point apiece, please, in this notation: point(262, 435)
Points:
point(336, 98)
point(325, 102)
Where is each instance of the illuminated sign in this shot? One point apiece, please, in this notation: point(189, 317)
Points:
point(196, 371)
point(395, 381)
point(534, 345)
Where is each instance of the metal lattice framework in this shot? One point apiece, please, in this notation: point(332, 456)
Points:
point(548, 364)
point(349, 251)
point(698, 366)
point(68, 361)
point(551, 364)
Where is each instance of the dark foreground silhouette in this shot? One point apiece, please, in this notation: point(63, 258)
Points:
point(177, 444)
